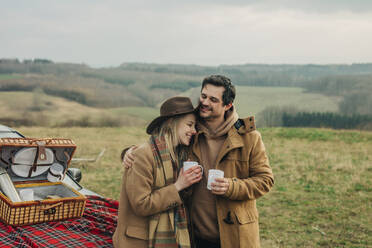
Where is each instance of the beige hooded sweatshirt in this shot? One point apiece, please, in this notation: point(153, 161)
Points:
point(204, 214)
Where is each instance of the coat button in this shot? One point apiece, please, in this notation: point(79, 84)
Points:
point(228, 219)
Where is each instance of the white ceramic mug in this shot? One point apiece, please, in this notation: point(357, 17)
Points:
point(26, 194)
point(212, 175)
point(188, 164)
point(55, 173)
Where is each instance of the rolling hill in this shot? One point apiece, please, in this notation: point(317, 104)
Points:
point(131, 93)
point(37, 108)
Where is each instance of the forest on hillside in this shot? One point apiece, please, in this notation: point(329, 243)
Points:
point(140, 84)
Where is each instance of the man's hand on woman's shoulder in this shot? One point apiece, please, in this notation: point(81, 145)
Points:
point(127, 156)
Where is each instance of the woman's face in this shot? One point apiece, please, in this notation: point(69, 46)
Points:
point(186, 129)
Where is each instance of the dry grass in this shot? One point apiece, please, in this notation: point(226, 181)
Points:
point(322, 195)
point(47, 110)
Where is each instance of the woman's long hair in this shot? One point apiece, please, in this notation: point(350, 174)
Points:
point(168, 130)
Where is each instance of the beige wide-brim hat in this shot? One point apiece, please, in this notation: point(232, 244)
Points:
point(174, 106)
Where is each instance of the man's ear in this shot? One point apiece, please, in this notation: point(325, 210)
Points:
point(228, 106)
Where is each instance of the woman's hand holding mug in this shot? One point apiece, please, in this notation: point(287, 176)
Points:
point(189, 174)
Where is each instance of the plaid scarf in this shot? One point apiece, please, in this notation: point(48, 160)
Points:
point(169, 228)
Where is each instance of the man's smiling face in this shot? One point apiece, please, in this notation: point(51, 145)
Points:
point(210, 102)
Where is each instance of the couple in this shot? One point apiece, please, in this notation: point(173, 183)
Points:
point(161, 205)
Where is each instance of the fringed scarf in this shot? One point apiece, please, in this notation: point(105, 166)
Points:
point(169, 228)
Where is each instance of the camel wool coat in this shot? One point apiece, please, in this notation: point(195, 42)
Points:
point(138, 201)
point(245, 164)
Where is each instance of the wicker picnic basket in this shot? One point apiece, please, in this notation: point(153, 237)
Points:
point(53, 200)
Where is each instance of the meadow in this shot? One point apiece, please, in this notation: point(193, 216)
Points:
point(8, 76)
point(252, 100)
point(322, 195)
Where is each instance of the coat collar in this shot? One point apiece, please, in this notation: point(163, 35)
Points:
point(234, 139)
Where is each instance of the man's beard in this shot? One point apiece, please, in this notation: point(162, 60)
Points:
point(206, 118)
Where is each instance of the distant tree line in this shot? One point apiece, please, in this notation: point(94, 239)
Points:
point(257, 74)
point(38, 66)
point(67, 94)
point(109, 76)
point(16, 87)
point(290, 117)
point(328, 120)
point(72, 95)
point(26, 61)
point(247, 74)
point(177, 85)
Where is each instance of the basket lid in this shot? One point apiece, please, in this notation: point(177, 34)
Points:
point(25, 159)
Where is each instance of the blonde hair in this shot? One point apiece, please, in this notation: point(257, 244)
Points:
point(168, 130)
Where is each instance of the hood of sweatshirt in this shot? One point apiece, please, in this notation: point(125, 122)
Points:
point(231, 117)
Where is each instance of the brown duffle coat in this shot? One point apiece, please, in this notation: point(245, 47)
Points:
point(138, 201)
point(245, 163)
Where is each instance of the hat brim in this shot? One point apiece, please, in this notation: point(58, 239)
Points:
point(159, 120)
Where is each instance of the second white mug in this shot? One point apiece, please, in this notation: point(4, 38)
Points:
point(212, 175)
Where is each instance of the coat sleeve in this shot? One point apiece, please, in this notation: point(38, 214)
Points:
point(139, 184)
point(261, 178)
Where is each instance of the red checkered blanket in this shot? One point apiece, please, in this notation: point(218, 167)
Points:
point(94, 229)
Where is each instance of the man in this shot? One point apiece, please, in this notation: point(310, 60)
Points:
point(227, 216)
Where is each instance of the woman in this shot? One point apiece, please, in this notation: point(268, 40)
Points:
point(151, 212)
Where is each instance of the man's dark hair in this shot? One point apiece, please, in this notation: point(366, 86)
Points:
point(228, 95)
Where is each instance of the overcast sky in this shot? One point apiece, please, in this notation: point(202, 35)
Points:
point(204, 32)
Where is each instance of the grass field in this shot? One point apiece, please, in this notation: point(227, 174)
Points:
point(9, 76)
point(252, 100)
point(323, 181)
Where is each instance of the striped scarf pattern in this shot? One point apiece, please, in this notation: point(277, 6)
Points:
point(169, 228)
